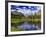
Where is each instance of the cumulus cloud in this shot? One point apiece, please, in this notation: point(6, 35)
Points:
point(26, 10)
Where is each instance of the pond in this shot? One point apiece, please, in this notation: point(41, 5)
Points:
point(27, 27)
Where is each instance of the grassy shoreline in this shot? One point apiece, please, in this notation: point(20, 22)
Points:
point(16, 22)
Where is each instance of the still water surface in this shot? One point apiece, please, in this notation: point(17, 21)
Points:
point(27, 27)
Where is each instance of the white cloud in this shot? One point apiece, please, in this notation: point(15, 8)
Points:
point(27, 12)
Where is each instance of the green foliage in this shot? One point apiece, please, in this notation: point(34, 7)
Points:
point(19, 19)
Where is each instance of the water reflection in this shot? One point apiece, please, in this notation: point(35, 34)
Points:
point(27, 27)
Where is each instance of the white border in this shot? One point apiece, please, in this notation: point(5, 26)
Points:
point(23, 32)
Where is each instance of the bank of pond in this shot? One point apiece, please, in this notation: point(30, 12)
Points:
point(25, 25)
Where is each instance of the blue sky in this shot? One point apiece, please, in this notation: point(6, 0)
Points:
point(26, 10)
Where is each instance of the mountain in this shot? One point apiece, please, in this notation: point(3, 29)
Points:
point(17, 13)
point(38, 13)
